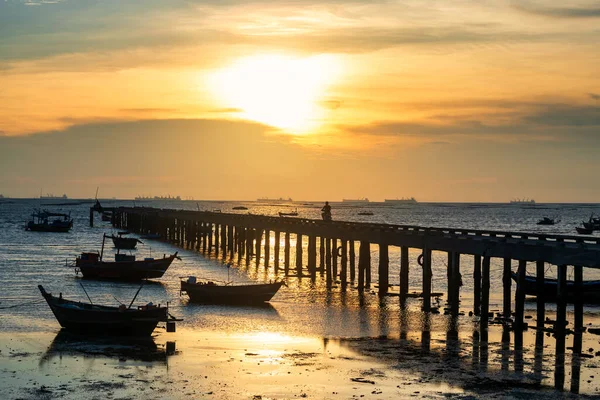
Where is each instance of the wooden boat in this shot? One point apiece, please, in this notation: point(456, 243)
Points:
point(547, 221)
point(591, 289)
point(289, 214)
point(124, 243)
point(125, 267)
point(40, 222)
point(583, 230)
point(209, 292)
point(240, 208)
point(365, 213)
point(93, 319)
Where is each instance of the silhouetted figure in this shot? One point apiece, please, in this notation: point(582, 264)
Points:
point(326, 212)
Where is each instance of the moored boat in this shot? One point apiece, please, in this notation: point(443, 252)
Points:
point(547, 221)
point(583, 230)
point(289, 214)
point(40, 222)
point(590, 289)
point(209, 292)
point(124, 243)
point(93, 319)
point(125, 267)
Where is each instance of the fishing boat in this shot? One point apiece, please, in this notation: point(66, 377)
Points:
point(93, 319)
point(547, 221)
point(125, 267)
point(124, 243)
point(365, 213)
point(209, 292)
point(289, 214)
point(591, 289)
point(40, 222)
point(239, 208)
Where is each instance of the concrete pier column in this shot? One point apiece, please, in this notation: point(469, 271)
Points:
point(477, 285)
point(520, 295)
point(352, 260)
point(276, 251)
point(384, 266)
point(427, 275)
point(286, 253)
point(299, 254)
point(404, 273)
point(506, 283)
point(344, 265)
point(267, 247)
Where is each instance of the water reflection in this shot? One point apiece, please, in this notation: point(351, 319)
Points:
point(123, 348)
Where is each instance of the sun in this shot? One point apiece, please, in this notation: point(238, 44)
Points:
point(277, 90)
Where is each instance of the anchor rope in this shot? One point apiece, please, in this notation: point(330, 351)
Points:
point(23, 304)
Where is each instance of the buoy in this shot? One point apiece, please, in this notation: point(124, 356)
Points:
point(340, 251)
point(420, 259)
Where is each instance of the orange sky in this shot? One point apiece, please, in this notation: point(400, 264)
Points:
point(443, 101)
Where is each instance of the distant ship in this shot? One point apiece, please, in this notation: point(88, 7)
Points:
point(522, 201)
point(365, 200)
point(53, 197)
point(266, 199)
point(401, 201)
point(144, 198)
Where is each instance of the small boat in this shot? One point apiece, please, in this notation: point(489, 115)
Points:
point(124, 243)
point(365, 213)
point(583, 230)
point(40, 222)
point(208, 292)
point(239, 208)
point(547, 221)
point(591, 289)
point(125, 267)
point(289, 214)
point(93, 319)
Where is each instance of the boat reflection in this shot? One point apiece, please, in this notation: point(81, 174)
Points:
point(66, 344)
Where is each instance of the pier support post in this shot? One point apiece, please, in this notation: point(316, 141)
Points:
point(204, 237)
point(561, 305)
point(541, 302)
point(321, 254)
point(427, 275)
point(344, 265)
point(312, 256)
point(258, 245)
point(404, 271)
point(456, 278)
point(334, 258)
point(230, 241)
point(578, 306)
point(217, 239)
point(224, 240)
point(363, 260)
point(286, 253)
point(92, 217)
point(328, 272)
point(210, 238)
point(299, 254)
point(477, 285)
point(506, 283)
point(368, 266)
point(383, 271)
point(267, 247)
point(520, 295)
point(352, 259)
point(276, 251)
point(485, 295)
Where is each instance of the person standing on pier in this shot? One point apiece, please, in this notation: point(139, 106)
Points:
point(326, 212)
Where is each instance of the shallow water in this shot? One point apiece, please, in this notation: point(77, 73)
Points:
point(302, 309)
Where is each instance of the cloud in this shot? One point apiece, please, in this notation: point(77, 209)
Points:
point(561, 12)
point(594, 96)
point(554, 115)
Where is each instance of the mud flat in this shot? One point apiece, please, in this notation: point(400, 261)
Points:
point(278, 365)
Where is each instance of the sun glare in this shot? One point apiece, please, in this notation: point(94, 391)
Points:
point(276, 90)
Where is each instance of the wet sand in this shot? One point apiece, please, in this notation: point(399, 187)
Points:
point(275, 365)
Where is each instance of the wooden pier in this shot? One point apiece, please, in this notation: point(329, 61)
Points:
point(331, 251)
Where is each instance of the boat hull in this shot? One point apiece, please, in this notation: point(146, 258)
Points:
point(230, 294)
point(125, 270)
point(591, 289)
point(89, 319)
point(48, 228)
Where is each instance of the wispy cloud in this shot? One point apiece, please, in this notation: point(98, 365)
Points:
point(584, 11)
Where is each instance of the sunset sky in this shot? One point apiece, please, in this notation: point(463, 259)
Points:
point(440, 100)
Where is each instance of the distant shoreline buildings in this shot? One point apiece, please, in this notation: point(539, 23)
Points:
point(149, 198)
point(363, 200)
point(53, 197)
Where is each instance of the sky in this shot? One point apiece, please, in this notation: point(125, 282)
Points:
point(456, 101)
